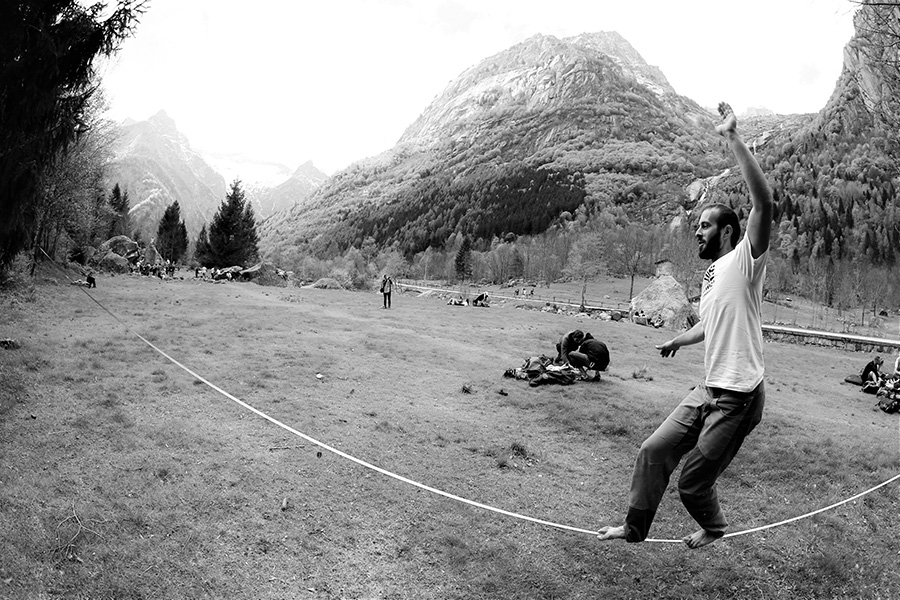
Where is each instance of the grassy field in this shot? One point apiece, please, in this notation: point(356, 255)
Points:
point(123, 476)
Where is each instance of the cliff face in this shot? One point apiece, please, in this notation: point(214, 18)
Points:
point(541, 74)
point(297, 188)
point(872, 60)
point(156, 165)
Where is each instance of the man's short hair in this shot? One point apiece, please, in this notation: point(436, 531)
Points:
point(724, 215)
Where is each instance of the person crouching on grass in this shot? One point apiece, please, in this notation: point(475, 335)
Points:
point(710, 425)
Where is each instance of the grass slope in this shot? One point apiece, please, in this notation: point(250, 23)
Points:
point(124, 477)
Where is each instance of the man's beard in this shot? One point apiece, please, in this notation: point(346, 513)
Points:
point(710, 250)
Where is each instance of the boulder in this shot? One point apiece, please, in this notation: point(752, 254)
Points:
point(265, 273)
point(113, 262)
point(120, 244)
point(664, 304)
point(327, 283)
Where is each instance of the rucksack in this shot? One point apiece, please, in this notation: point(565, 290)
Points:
point(889, 404)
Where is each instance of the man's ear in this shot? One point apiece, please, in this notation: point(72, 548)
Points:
point(726, 233)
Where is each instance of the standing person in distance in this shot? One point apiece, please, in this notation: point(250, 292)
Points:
point(387, 285)
point(712, 422)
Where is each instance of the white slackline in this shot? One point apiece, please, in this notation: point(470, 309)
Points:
point(427, 488)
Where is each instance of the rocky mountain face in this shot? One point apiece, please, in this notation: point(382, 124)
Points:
point(156, 165)
point(299, 186)
point(547, 127)
point(872, 58)
point(544, 75)
point(834, 174)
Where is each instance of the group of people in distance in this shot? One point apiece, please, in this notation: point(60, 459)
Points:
point(873, 377)
point(480, 300)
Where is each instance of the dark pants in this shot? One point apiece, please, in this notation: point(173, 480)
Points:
point(586, 361)
point(387, 299)
point(709, 427)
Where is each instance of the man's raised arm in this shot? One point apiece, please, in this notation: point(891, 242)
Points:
point(759, 223)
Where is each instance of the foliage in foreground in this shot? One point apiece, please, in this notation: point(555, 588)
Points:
point(48, 55)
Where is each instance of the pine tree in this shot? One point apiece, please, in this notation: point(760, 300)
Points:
point(48, 52)
point(249, 237)
point(118, 202)
point(202, 252)
point(232, 237)
point(171, 235)
point(464, 260)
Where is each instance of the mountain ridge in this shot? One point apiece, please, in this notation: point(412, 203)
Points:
point(156, 164)
point(545, 105)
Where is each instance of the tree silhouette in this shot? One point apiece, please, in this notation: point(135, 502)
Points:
point(464, 260)
point(171, 235)
point(202, 252)
point(232, 237)
point(118, 202)
point(47, 78)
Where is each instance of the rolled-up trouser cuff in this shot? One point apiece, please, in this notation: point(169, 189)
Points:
point(637, 524)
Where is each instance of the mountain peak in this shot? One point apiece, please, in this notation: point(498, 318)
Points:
point(163, 121)
point(308, 169)
point(540, 74)
point(612, 44)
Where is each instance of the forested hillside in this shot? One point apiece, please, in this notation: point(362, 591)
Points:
point(567, 158)
point(835, 180)
point(546, 127)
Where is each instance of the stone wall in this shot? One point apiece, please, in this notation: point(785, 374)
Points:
point(854, 343)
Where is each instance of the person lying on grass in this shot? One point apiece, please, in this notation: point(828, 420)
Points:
point(709, 426)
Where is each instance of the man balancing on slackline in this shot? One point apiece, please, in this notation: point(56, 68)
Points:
point(712, 422)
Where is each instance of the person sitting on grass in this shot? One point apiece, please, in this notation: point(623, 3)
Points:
point(711, 423)
point(871, 375)
point(568, 344)
point(591, 354)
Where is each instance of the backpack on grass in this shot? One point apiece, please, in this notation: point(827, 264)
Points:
point(889, 404)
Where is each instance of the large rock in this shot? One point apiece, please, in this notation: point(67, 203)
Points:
point(327, 283)
point(114, 262)
point(121, 245)
point(664, 304)
point(265, 273)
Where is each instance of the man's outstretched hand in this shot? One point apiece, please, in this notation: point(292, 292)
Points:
point(729, 121)
point(668, 349)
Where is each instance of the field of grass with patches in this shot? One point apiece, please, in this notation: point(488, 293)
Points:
point(123, 476)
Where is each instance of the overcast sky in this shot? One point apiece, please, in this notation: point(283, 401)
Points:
point(335, 81)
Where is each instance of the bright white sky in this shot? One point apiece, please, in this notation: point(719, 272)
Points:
point(335, 81)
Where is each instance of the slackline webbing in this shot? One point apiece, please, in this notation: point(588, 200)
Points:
point(433, 490)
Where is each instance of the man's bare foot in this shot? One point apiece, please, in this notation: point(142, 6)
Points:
point(611, 533)
point(729, 121)
point(700, 538)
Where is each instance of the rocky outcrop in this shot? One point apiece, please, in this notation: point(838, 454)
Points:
point(542, 73)
point(664, 304)
point(114, 263)
point(121, 244)
point(872, 58)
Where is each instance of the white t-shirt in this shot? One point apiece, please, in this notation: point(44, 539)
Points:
point(730, 306)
